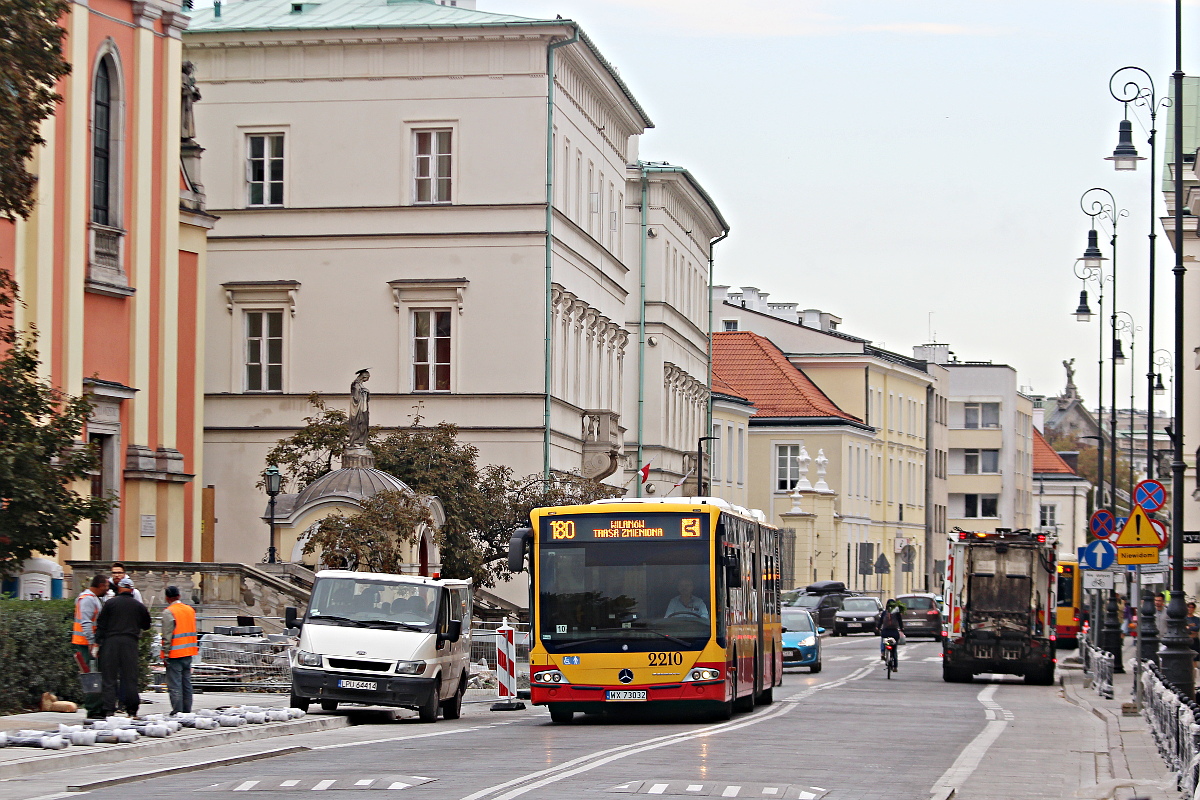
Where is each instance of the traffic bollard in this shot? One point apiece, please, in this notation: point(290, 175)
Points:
point(506, 670)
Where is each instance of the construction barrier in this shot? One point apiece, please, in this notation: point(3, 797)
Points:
point(506, 669)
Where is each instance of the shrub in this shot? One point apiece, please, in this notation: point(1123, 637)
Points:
point(36, 655)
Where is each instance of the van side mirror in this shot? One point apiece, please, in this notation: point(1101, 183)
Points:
point(453, 631)
point(520, 541)
point(290, 619)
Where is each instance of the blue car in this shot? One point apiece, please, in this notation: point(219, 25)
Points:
point(801, 640)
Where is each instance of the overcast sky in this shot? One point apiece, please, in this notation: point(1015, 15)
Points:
point(890, 159)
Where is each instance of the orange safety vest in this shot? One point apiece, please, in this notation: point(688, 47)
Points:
point(77, 636)
point(184, 641)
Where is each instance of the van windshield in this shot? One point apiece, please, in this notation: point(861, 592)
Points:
point(350, 601)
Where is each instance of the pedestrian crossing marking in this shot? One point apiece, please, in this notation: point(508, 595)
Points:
point(358, 782)
point(781, 791)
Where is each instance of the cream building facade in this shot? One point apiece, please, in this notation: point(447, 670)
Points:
point(890, 483)
point(382, 174)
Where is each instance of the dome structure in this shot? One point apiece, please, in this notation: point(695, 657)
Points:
point(352, 484)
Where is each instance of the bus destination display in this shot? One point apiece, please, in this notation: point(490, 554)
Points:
point(595, 528)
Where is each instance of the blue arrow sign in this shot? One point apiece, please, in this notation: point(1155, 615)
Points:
point(1098, 555)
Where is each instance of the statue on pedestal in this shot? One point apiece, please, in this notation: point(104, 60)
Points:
point(359, 424)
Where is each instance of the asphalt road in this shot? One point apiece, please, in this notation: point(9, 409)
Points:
point(844, 734)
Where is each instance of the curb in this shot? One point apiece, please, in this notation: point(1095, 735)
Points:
point(90, 756)
point(196, 767)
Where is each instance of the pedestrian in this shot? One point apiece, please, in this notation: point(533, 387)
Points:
point(118, 629)
point(83, 638)
point(118, 572)
point(1160, 613)
point(179, 645)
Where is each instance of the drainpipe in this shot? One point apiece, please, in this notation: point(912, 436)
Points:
point(548, 349)
point(646, 169)
point(711, 244)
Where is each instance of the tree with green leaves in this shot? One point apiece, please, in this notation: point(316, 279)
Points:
point(31, 63)
point(41, 454)
point(483, 505)
point(376, 539)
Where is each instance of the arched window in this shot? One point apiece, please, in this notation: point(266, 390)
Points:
point(102, 160)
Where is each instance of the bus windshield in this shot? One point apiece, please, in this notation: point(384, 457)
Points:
point(633, 595)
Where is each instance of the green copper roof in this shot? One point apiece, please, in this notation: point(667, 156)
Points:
point(303, 15)
point(1191, 129)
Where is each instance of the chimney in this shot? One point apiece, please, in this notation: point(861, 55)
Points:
point(932, 353)
point(1072, 459)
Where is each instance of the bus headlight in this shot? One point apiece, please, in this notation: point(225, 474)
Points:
point(703, 674)
point(550, 677)
point(410, 667)
point(307, 659)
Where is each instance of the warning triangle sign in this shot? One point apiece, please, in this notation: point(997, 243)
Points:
point(1138, 531)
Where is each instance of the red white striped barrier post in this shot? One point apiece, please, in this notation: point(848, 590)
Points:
point(506, 670)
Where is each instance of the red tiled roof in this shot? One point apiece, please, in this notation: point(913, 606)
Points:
point(1045, 458)
point(758, 370)
point(721, 386)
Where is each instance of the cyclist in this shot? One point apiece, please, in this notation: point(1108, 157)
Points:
point(891, 623)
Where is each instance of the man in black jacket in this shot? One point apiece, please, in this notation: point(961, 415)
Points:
point(118, 628)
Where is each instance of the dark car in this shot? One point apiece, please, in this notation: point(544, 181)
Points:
point(822, 605)
point(922, 615)
point(857, 615)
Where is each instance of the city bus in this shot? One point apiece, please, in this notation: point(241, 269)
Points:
point(1068, 620)
point(659, 602)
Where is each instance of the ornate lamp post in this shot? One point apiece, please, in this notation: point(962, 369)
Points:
point(274, 483)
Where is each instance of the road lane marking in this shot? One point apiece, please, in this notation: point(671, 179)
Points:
point(323, 785)
point(971, 756)
point(401, 738)
point(246, 786)
point(731, 791)
point(658, 788)
point(586, 763)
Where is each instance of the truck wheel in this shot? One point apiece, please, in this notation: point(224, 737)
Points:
point(299, 702)
point(1041, 677)
point(452, 708)
point(329, 705)
point(955, 675)
point(560, 716)
point(428, 710)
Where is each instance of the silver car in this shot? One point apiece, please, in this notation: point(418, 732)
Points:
point(857, 615)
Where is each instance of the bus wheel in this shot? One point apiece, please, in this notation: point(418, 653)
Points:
point(724, 712)
point(766, 698)
point(561, 716)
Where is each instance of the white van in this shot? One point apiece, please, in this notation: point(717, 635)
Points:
point(384, 640)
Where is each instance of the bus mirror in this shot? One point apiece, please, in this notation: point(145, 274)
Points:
point(521, 538)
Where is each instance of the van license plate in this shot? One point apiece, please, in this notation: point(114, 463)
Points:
point(370, 686)
point(625, 694)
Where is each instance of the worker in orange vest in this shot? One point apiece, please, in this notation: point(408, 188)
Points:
point(179, 643)
point(83, 637)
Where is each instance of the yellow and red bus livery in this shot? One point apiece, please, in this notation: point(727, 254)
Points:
point(671, 601)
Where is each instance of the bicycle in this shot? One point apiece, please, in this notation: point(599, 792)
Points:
point(890, 656)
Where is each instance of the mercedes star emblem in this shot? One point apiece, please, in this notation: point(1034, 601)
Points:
point(625, 676)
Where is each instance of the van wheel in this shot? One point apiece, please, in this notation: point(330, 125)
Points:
point(329, 705)
point(428, 711)
point(452, 708)
point(299, 702)
point(560, 716)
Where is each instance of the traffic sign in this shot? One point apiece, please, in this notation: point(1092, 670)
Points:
point(1097, 555)
point(1093, 579)
point(1150, 495)
point(1137, 555)
point(1101, 524)
point(1139, 532)
point(1160, 529)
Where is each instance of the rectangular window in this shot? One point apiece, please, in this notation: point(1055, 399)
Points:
point(264, 169)
point(787, 471)
point(981, 506)
point(741, 456)
point(264, 351)
point(1049, 516)
point(970, 505)
point(434, 166)
point(431, 351)
point(714, 455)
point(981, 415)
point(729, 324)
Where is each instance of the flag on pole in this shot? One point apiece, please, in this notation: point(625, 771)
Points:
point(645, 472)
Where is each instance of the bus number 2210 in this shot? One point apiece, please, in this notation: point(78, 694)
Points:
point(665, 659)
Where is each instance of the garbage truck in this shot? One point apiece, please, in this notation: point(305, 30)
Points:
point(1000, 605)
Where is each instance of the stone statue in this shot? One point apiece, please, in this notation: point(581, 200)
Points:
point(822, 466)
point(360, 413)
point(190, 94)
point(1072, 390)
point(802, 461)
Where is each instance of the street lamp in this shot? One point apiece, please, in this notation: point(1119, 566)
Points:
point(274, 483)
point(700, 463)
point(1096, 275)
point(1083, 313)
point(1130, 327)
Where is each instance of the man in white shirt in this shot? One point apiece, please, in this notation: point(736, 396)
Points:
point(686, 604)
point(118, 573)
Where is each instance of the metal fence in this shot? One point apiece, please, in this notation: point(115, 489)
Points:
point(1097, 665)
point(484, 639)
point(1172, 717)
point(244, 663)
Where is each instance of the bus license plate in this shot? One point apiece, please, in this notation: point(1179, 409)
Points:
point(625, 694)
point(370, 686)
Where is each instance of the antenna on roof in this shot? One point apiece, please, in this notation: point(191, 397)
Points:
point(932, 333)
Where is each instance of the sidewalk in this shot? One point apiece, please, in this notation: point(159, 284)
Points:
point(1131, 766)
